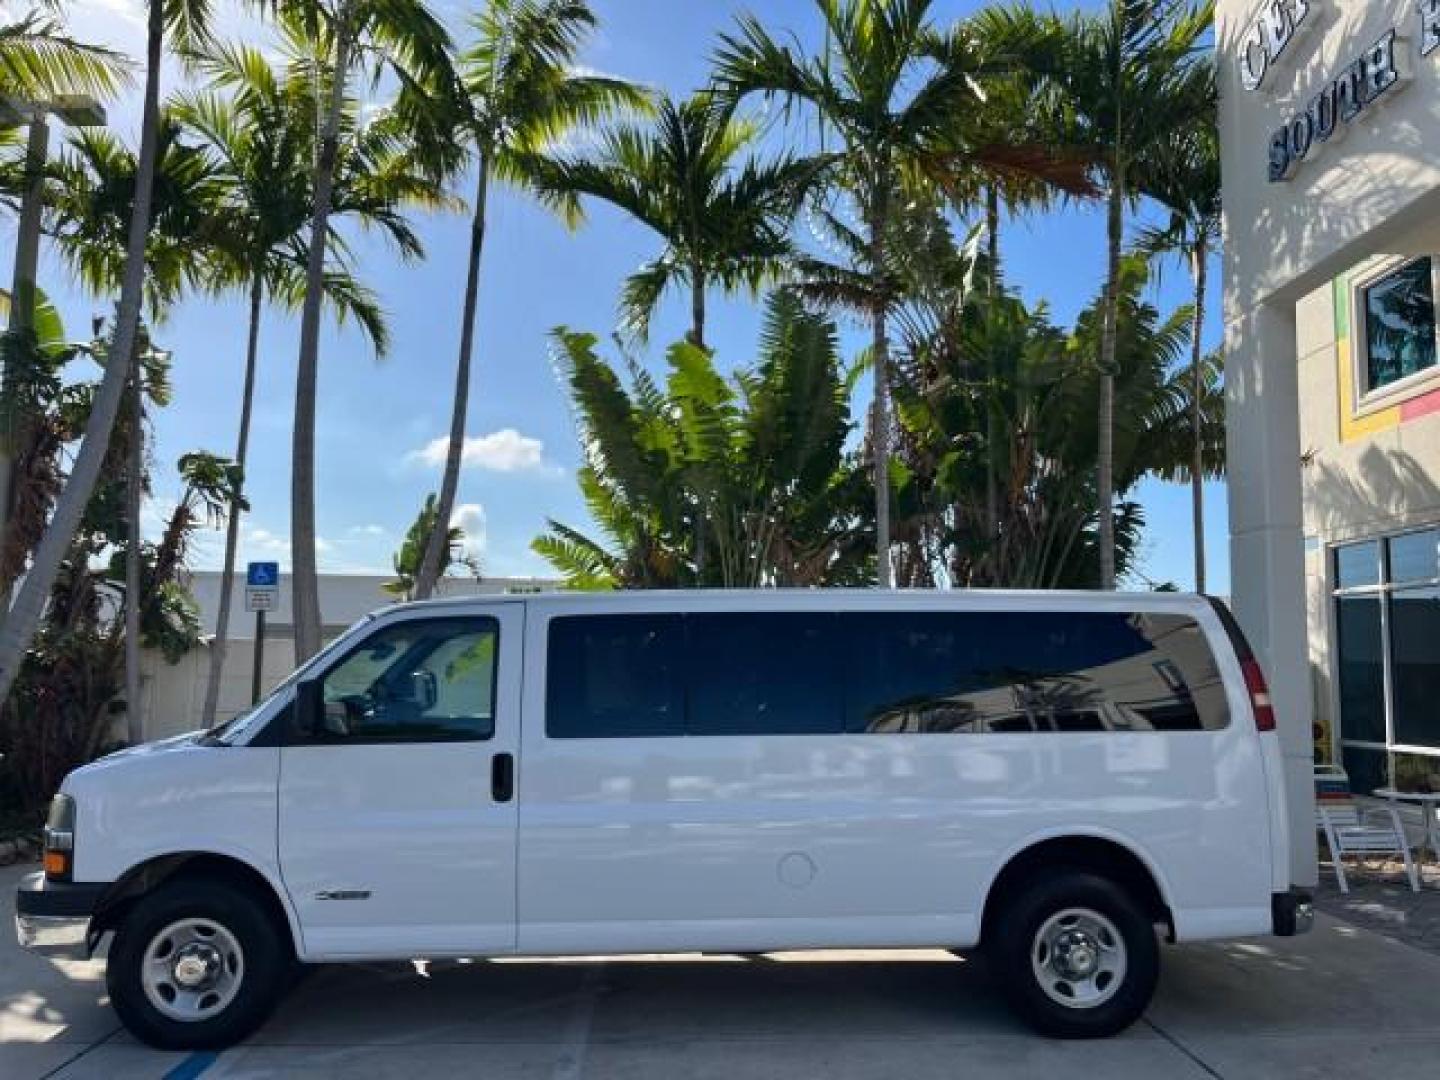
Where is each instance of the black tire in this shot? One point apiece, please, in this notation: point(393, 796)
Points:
point(265, 964)
point(1012, 942)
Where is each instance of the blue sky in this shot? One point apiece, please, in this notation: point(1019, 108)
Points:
point(376, 419)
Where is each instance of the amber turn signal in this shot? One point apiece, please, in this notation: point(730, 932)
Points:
point(57, 864)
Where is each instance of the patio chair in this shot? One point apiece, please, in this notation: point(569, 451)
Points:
point(1351, 830)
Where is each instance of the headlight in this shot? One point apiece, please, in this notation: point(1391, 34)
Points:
point(60, 839)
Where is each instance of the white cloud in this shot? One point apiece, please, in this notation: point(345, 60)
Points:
point(505, 451)
point(471, 518)
point(367, 530)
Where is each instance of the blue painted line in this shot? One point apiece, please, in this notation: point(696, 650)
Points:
point(193, 1066)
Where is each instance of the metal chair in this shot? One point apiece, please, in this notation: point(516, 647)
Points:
point(1351, 830)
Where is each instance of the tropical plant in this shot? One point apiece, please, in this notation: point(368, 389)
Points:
point(93, 190)
point(724, 221)
point(39, 61)
point(343, 39)
point(897, 93)
point(761, 454)
point(406, 559)
point(258, 124)
point(1117, 83)
point(187, 20)
point(1186, 181)
point(71, 683)
point(520, 92)
point(995, 355)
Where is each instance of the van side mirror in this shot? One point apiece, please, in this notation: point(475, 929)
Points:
point(309, 707)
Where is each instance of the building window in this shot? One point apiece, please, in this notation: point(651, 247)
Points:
point(1398, 325)
point(1387, 653)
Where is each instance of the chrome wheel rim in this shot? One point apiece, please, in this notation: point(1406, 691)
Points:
point(192, 970)
point(1078, 958)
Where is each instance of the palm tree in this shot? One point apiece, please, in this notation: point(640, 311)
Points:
point(40, 61)
point(406, 560)
point(261, 137)
point(345, 37)
point(1187, 183)
point(723, 222)
point(95, 184)
point(187, 21)
point(1118, 82)
point(520, 93)
point(899, 95)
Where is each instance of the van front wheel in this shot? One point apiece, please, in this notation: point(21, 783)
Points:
point(195, 965)
point(1076, 955)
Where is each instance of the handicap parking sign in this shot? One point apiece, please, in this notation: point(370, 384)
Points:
point(262, 575)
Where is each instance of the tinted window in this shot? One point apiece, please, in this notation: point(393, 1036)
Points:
point(612, 676)
point(763, 674)
point(415, 681)
point(1030, 671)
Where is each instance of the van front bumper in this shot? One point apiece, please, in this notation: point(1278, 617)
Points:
point(1292, 912)
point(52, 918)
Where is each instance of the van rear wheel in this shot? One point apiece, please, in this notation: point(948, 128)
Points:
point(1075, 954)
point(196, 965)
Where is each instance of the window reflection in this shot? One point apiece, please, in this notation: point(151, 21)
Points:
point(1400, 324)
point(1415, 665)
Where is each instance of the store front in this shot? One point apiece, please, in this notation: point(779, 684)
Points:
point(1330, 129)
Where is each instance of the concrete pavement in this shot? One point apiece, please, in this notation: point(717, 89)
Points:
point(1342, 1002)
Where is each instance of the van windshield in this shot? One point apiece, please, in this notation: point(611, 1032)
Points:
point(228, 732)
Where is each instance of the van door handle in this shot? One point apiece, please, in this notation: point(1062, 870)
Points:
point(502, 777)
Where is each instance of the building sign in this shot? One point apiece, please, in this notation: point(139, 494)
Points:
point(1268, 37)
point(1363, 83)
point(1370, 78)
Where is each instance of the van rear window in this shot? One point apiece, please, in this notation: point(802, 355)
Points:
point(788, 673)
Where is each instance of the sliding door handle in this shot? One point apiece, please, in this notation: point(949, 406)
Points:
point(502, 777)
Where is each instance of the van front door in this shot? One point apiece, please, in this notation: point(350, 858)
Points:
point(397, 803)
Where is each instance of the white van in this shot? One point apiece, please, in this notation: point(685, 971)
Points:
point(1053, 777)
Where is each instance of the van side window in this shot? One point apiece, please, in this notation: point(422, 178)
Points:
point(614, 676)
point(1030, 672)
point(763, 673)
point(422, 680)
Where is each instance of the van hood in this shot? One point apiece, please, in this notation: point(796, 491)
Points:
point(174, 744)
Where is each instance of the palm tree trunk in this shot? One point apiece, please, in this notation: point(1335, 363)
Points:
point(880, 410)
point(697, 307)
point(1197, 425)
point(304, 580)
point(432, 565)
point(992, 433)
point(1105, 454)
point(134, 482)
point(232, 527)
point(24, 616)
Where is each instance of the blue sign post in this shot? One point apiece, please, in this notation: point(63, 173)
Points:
point(262, 594)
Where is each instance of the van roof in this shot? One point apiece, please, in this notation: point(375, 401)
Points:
point(859, 598)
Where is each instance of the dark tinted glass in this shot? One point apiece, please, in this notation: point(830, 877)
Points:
point(763, 674)
point(1415, 556)
point(612, 676)
point(1400, 324)
point(1357, 565)
point(1030, 671)
point(422, 680)
point(1415, 665)
point(1359, 656)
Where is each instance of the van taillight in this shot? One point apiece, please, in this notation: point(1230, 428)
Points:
point(1259, 695)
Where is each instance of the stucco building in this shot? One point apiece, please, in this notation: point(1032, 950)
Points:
point(1330, 128)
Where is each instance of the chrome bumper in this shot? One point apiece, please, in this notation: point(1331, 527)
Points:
point(53, 918)
point(60, 937)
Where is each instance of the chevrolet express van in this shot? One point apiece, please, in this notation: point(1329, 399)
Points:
point(1060, 779)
